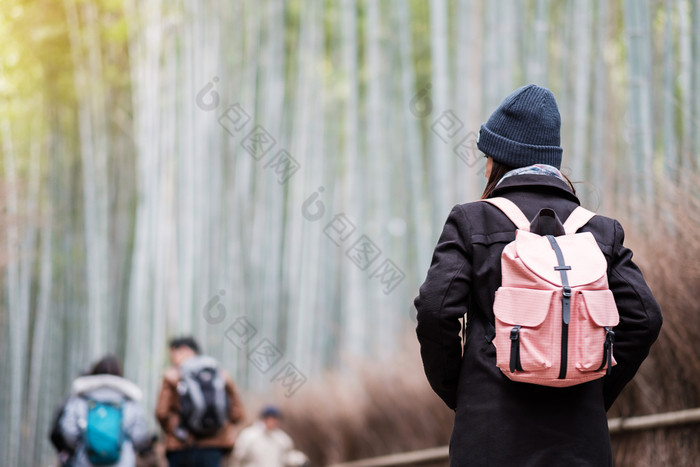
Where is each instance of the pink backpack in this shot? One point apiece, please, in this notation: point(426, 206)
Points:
point(554, 311)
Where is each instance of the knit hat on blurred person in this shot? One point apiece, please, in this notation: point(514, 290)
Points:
point(271, 411)
point(524, 130)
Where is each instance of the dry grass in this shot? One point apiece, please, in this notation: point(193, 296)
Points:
point(382, 408)
point(669, 256)
point(375, 409)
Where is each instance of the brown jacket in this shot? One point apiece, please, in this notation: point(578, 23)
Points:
point(167, 413)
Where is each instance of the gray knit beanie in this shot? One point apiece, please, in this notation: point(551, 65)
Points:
point(524, 129)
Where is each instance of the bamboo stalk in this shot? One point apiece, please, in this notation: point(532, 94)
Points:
point(695, 96)
point(600, 165)
point(440, 162)
point(582, 84)
point(93, 157)
point(417, 208)
point(637, 25)
point(684, 89)
point(12, 293)
point(670, 152)
point(27, 271)
point(354, 301)
point(40, 327)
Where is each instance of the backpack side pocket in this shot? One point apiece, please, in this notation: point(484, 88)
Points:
point(596, 316)
point(526, 340)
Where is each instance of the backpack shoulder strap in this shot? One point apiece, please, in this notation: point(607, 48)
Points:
point(513, 212)
point(577, 219)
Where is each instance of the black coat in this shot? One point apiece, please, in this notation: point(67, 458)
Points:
point(499, 422)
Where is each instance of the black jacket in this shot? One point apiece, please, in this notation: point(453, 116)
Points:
point(500, 422)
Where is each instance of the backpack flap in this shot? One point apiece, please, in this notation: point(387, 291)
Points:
point(600, 306)
point(581, 252)
point(526, 307)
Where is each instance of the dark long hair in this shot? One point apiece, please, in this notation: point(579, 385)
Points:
point(498, 170)
point(108, 365)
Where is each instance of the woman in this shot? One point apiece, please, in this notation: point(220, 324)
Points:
point(500, 422)
point(104, 389)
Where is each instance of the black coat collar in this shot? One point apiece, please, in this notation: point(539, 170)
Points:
point(538, 183)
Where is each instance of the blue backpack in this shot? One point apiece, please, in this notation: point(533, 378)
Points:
point(103, 436)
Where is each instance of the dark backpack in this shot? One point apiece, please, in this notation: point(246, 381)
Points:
point(203, 400)
point(103, 435)
point(56, 434)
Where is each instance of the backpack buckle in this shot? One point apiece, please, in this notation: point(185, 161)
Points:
point(514, 333)
point(609, 336)
point(567, 291)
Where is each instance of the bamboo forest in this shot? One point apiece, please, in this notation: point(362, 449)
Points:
point(272, 176)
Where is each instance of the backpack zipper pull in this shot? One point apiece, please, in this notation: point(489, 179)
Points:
point(515, 349)
point(609, 340)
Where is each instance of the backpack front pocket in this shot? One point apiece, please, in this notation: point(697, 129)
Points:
point(596, 316)
point(525, 339)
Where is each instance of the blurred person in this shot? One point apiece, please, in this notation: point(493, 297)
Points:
point(64, 451)
point(264, 444)
point(500, 421)
point(102, 422)
point(197, 408)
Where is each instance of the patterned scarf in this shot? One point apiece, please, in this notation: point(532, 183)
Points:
point(537, 169)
